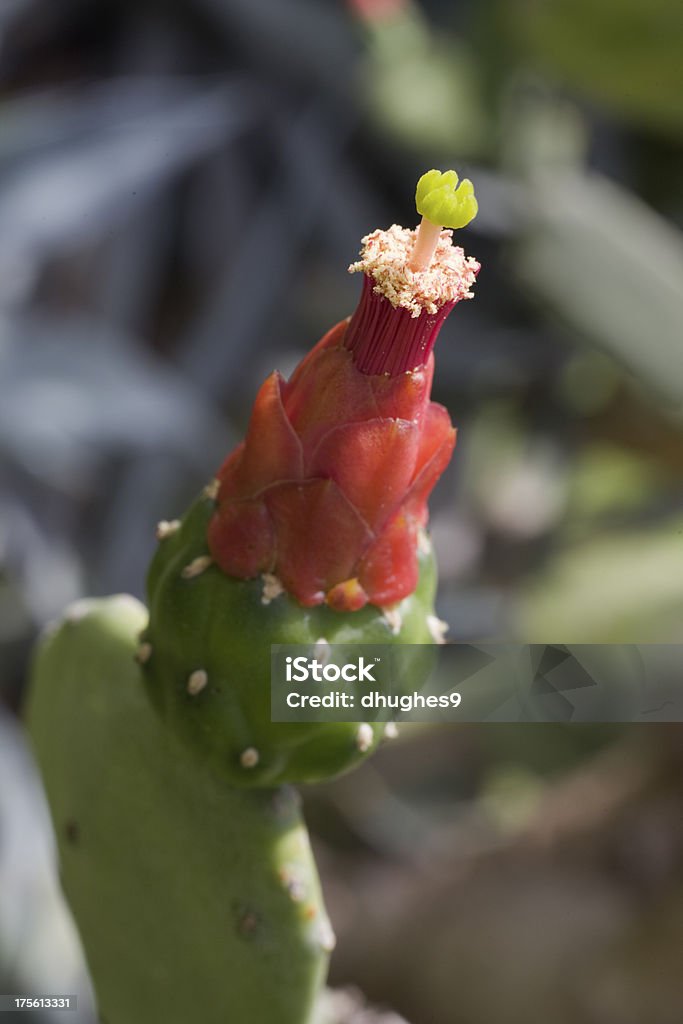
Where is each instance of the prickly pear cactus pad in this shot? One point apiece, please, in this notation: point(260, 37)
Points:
point(194, 901)
point(314, 528)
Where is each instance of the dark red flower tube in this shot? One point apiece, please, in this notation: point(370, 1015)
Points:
point(329, 489)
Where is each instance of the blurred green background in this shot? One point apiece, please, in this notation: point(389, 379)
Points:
point(182, 187)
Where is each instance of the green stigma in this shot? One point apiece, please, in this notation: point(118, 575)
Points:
point(442, 201)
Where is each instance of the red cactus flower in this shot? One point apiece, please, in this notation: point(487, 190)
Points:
point(329, 488)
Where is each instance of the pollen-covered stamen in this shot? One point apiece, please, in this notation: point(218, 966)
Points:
point(400, 313)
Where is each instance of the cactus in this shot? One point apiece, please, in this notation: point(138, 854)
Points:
point(206, 661)
point(195, 901)
point(183, 854)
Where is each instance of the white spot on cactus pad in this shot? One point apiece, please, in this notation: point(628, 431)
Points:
point(211, 490)
point(390, 731)
point(166, 528)
point(143, 653)
point(249, 758)
point(248, 922)
point(197, 681)
point(364, 737)
point(424, 544)
point(196, 567)
point(322, 650)
point(394, 619)
point(293, 884)
point(325, 935)
point(272, 588)
point(437, 629)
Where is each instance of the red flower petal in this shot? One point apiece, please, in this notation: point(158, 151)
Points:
point(241, 538)
point(436, 430)
point(318, 537)
point(405, 396)
point(331, 483)
point(329, 390)
point(333, 339)
point(271, 452)
point(227, 474)
point(423, 484)
point(373, 463)
point(389, 570)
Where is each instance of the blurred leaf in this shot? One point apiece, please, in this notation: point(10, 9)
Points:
point(72, 392)
point(39, 947)
point(610, 268)
point(623, 587)
point(300, 39)
point(589, 381)
point(41, 566)
point(58, 187)
point(300, 190)
point(422, 87)
point(624, 52)
point(516, 482)
point(608, 479)
point(511, 795)
point(540, 129)
point(11, 11)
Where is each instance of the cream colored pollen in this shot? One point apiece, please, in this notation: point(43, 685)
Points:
point(385, 256)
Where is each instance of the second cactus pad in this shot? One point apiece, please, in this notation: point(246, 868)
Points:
point(206, 660)
point(194, 900)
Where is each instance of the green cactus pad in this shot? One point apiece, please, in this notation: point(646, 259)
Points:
point(207, 661)
point(194, 901)
point(442, 201)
